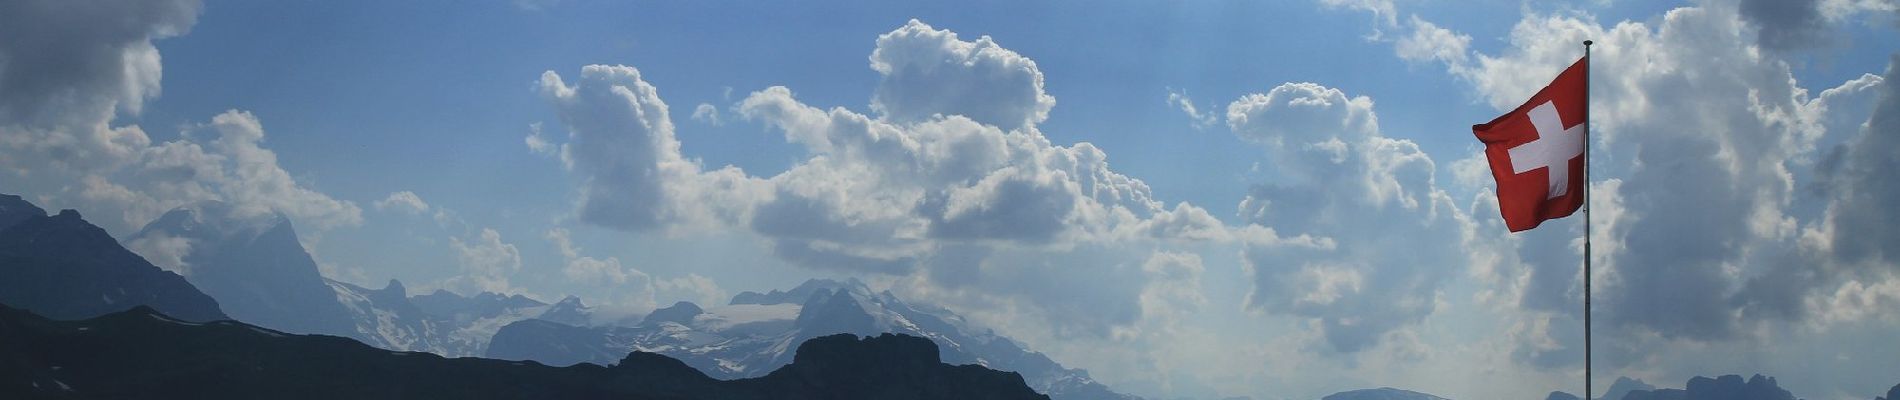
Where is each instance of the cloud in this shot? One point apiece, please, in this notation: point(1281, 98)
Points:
point(1366, 194)
point(630, 287)
point(708, 114)
point(1728, 182)
point(1196, 118)
point(487, 263)
point(165, 251)
point(66, 73)
point(622, 148)
point(73, 65)
point(403, 201)
point(928, 71)
point(1785, 24)
point(949, 183)
point(1797, 24)
point(692, 287)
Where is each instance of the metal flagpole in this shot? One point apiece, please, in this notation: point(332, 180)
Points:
point(1586, 221)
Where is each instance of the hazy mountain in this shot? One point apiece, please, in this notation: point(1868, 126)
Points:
point(570, 310)
point(386, 318)
point(1381, 394)
point(471, 321)
point(756, 332)
point(65, 267)
point(484, 305)
point(253, 264)
point(142, 353)
point(1726, 387)
point(1623, 386)
point(556, 343)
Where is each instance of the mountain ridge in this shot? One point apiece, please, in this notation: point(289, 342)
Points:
point(143, 353)
point(64, 266)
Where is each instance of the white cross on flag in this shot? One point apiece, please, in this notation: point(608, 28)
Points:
point(1537, 151)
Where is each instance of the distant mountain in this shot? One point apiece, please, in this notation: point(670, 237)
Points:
point(65, 267)
point(756, 333)
point(467, 323)
point(1726, 387)
point(1623, 386)
point(465, 310)
point(255, 266)
point(1381, 394)
point(143, 353)
point(570, 310)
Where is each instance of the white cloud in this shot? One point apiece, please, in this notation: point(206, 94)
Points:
point(949, 184)
point(65, 74)
point(487, 263)
point(631, 287)
point(929, 71)
point(403, 201)
point(621, 146)
point(692, 287)
point(1196, 118)
point(1367, 195)
point(1726, 179)
point(165, 251)
point(708, 114)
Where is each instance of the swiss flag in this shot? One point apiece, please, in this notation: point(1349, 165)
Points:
point(1537, 151)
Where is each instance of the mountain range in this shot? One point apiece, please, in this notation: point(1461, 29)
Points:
point(65, 267)
point(755, 332)
point(142, 353)
point(1725, 387)
point(255, 261)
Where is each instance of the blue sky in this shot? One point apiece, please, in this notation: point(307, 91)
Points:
point(1318, 223)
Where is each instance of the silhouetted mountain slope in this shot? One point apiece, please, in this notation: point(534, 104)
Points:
point(555, 343)
point(1892, 394)
point(144, 354)
point(14, 209)
point(254, 265)
point(65, 267)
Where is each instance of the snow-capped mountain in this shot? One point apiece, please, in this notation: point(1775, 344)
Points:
point(757, 333)
point(253, 264)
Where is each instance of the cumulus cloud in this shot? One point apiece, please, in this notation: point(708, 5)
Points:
point(487, 263)
point(67, 71)
point(1729, 181)
point(1785, 24)
point(1367, 194)
point(621, 146)
point(403, 201)
point(1796, 24)
point(928, 71)
point(632, 288)
point(948, 181)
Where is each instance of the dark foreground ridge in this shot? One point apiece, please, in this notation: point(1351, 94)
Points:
point(141, 353)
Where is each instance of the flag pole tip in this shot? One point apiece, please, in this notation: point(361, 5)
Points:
point(1588, 42)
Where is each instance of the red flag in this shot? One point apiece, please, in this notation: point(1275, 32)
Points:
point(1537, 151)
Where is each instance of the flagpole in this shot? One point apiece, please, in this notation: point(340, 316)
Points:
point(1587, 395)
